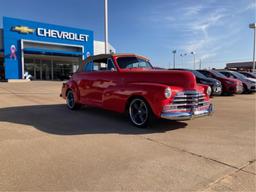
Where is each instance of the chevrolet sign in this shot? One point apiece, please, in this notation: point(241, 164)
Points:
point(23, 29)
point(61, 34)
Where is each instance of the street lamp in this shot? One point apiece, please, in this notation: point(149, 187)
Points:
point(253, 26)
point(106, 25)
point(183, 55)
point(174, 52)
point(181, 59)
point(194, 54)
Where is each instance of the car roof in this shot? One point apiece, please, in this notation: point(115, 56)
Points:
point(224, 70)
point(106, 56)
point(245, 72)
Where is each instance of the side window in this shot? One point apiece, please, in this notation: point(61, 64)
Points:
point(226, 74)
point(88, 67)
point(232, 76)
point(110, 65)
point(206, 73)
point(100, 65)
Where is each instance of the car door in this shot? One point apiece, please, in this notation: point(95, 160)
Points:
point(98, 81)
point(84, 80)
point(109, 85)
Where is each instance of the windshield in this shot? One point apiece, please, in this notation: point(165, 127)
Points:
point(133, 62)
point(218, 74)
point(251, 75)
point(198, 74)
point(239, 75)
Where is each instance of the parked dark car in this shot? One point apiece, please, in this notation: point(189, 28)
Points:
point(229, 86)
point(202, 79)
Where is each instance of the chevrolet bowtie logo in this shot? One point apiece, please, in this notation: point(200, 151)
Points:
point(23, 29)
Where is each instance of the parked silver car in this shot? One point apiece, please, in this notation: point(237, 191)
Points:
point(248, 74)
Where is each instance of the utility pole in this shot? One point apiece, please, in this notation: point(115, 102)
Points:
point(200, 64)
point(253, 26)
point(106, 25)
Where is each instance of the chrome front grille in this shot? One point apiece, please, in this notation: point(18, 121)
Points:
point(188, 100)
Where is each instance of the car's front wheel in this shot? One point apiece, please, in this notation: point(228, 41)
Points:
point(70, 101)
point(245, 89)
point(139, 113)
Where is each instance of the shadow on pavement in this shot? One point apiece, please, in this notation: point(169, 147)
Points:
point(57, 119)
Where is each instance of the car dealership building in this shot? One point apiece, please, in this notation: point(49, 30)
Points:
point(44, 51)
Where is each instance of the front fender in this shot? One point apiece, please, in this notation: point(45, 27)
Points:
point(153, 93)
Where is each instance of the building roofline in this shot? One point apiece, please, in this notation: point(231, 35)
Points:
point(75, 28)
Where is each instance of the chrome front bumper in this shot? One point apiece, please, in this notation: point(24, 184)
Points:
point(187, 115)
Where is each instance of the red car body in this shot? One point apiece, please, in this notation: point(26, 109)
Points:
point(117, 87)
point(229, 86)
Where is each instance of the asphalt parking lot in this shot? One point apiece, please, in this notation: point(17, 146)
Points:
point(46, 147)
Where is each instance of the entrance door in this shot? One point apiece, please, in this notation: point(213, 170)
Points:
point(39, 69)
point(46, 69)
point(42, 67)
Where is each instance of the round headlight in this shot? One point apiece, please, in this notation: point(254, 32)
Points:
point(168, 93)
point(209, 91)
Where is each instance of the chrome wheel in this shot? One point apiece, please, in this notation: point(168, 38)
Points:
point(138, 112)
point(70, 100)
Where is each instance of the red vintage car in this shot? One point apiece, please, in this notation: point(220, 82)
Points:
point(128, 83)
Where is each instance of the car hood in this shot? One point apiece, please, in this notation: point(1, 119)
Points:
point(210, 80)
point(230, 79)
point(215, 81)
point(183, 79)
point(237, 81)
point(251, 79)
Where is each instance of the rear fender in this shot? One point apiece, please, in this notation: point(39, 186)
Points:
point(73, 86)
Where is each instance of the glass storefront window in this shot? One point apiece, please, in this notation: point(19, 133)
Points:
point(51, 67)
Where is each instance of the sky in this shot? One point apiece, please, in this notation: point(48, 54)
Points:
point(217, 31)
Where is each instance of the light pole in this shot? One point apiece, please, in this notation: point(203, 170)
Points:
point(174, 52)
point(106, 25)
point(194, 54)
point(181, 59)
point(253, 26)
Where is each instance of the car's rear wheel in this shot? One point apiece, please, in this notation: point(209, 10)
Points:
point(139, 113)
point(70, 101)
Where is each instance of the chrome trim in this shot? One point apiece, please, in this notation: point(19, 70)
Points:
point(190, 104)
point(187, 115)
point(187, 104)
